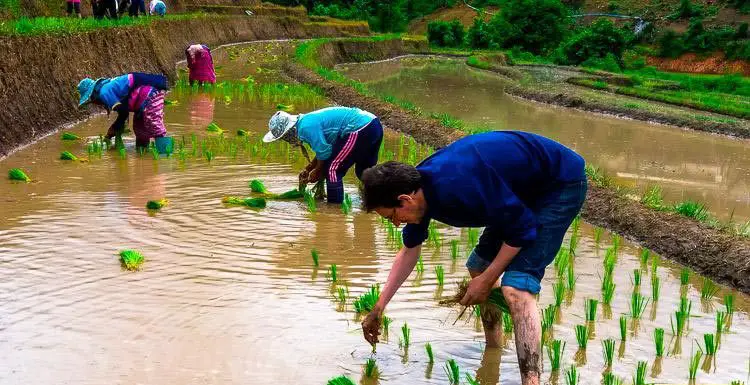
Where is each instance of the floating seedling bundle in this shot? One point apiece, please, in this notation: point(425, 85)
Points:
point(249, 202)
point(157, 204)
point(18, 174)
point(69, 136)
point(131, 259)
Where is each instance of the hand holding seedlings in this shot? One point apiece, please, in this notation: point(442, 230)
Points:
point(477, 292)
point(371, 326)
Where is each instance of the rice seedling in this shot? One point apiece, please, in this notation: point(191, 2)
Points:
point(736, 382)
point(729, 304)
point(420, 265)
point(590, 308)
point(473, 381)
point(655, 287)
point(371, 368)
point(454, 249)
point(131, 259)
point(555, 351)
point(386, 324)
point(507, 323)
point(679, 323)
point(616, 242)
point(157, 204)
point(598, 231)
point(214, 128)
point(695, 360)
point(659, 341)
point(209, 155)
point(612, 379)
point(310, 200)
point(684, 276)
point(340, 380)
point(638, 304)
point(69, 136)
point(708, 289)
point(366, 302)
point(333, 273)
point(608, 351)
point(573, 242)
point(315, 257)
point(654, 264)
point(123, 153)
point(440, 274)
point(452, 371)
point(155, 153)
point(405, 335)
point(430, 356)
point(582, 336)
point(623, 327)
point(692, 209)
point(571, 376)
point(559, 290)
point(653, 198)
point(571, 277)
point(548, 319)
point(341, 294)
point(67, 155)
point(640, 373)
point(710, 344)
point(472, 237)
point(562, 260)
point(242, 133)
point(636, 278)
point(346, 204)
point(258, 203)
point(477, 311)
point(608, 292)
point(644, 257)
point(18, 174)
point(721, 321)
point(257, 186)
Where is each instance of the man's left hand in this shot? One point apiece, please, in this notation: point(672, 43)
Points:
point(478, 291)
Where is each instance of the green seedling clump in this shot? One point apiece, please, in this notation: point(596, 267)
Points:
point(258, 203)
point(598, 231)
point(471, 380)
point(684, 276)
point(721, 322)
point(507, 323)
point(131, 259)
point(69, 136)
point(695, 360)
point(623, 327)
point(729, 304)
point(655, 287)
point(492, 309)
point(213, 127)
point(366, 302)
point(310, 200)
point(590, 307)
point(582, 336)
point(453, 372)
point(341, 294)
point(440, 274)
point(555, 351)
point(242, 133)
point(710, 344)
point(659, 341)
point(640, 373)
point(430, 356)
point(67, 155)
point(315, 257)
point(559, 290)
point(708, 289)
point(289, 195)
point(420, 265)
point(333, 273)
point(371, 368)
point(612, 379)
point(454, 249)
point(608, 291)
point(386, 324)
point(608, 351)
point(548, 319)
point(405, 336)
point(257, 186)
point(637, 277)
point(571, 376)
point(341, 380)
point(18, 174)
point(157, 204)
point(638, 304)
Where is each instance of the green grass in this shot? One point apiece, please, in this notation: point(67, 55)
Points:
point(598, 176)
point(430, 355)
point(69, 136)
point(18, 174)
point(157, 204)
point(440, 274)
point(708, 289)
point(590, 307)
point(555, 351)
point(608, 351)
point(695, 360)
point(478, 63)
point(371, 368)
point(692, 209)
point(640, 373)
point(653, 198)
point(405, 336)
point(131, 259)
point(25, 26)
point(571, 376)
point(623, 328)
point(582, 336)
point(659, 341)
point(453, 372)
point(340, 380)
point(333, 273)
point(315, 257)
point(366, 302)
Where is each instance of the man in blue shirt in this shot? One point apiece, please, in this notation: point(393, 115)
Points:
point(341, 137)
point(524, 189)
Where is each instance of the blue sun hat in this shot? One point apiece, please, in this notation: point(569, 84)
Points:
point(85, 89)
point(279, 124)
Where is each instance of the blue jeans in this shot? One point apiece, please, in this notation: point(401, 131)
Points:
point(358, 148)
point(555, 212)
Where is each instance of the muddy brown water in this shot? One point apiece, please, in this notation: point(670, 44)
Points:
point(708, 168)
point(229, 295)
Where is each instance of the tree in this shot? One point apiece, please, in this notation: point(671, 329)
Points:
point(388, 16)
point(597, 41)
point(536, 26)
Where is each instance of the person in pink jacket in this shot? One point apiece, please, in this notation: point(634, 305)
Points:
point(200, 64)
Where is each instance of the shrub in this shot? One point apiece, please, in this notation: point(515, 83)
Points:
point(600, 40)
point(536, 26)
point(480, 34)
point(445, 34)
point(608, 63)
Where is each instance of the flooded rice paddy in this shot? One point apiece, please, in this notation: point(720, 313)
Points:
point(230, 294)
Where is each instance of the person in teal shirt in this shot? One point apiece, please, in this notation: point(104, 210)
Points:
point(341, 137)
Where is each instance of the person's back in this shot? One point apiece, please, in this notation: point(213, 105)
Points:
point(200, 64)
point(334, 123)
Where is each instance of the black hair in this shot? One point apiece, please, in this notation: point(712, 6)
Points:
point(382, 184)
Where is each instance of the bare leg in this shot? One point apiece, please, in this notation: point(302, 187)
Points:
point(492, 331)
point(527, 327)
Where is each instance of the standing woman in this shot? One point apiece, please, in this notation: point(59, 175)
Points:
point(200, 64)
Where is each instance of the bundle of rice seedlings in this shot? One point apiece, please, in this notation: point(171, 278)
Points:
point(346, 204)
point(640, 374)
point(492, 309)
point(612, 379)
point(169, 102)
point(471, 380)
point(289, 195)
point(386, 324)
point(157, 204)
point(333, 273)
point(695, 360)
point(67, 155)
point(405, 336)
point(249, 202)
point(242, 133)
point(285, 107)
point(371, 368)
point(507, 323)
point(590, 307)
point(555, 352)
point(366, 302)
point(18, 174)
point(453, 372)
point(310, 200)
point(213, 127)
point(659, 341)
point(257, 186)
point(608, 351)
point(430, 356)
point(69, 136)
point(315, 257)
point(340, 380)
point(582, 336)
point(571, 376)
point(131, 259)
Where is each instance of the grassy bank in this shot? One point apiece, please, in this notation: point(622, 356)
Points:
point(71, 26)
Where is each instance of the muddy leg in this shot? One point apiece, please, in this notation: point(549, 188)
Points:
point(527, 327)
point(492, 331)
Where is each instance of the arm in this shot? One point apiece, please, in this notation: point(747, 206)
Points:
point(405, 261)
point(118, 126)
point(313, 136)
point(480, 286)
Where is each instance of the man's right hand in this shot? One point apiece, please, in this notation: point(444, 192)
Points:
point(371, 326)
point(304, 178)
